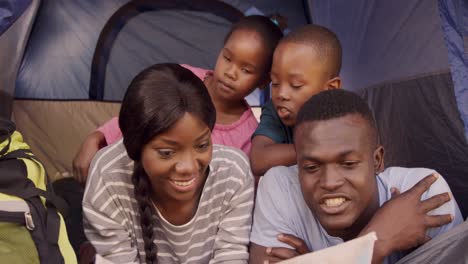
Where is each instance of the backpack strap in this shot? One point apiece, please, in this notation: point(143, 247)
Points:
point(19, 154)
point(6, 130)
point(17, 184)
point(14, 181)
point(46, 231)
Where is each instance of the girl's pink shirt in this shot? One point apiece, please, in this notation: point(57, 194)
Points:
point(236, 135)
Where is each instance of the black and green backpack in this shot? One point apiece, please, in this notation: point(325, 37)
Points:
point(31, 227)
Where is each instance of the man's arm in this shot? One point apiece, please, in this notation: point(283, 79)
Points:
point(266, 154)
point(257, 254)
point(402, 222)
point(273, 234)
point(260, 254)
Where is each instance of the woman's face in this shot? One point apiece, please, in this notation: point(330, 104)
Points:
point(176, 161)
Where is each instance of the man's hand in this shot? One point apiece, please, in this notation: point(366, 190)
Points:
point(83, 158)
point(276, 254)
point(401, 223)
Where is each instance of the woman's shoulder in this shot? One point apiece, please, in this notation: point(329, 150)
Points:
point(111, 164)
point(222, 153)
point(111, 155)
point(226, 160)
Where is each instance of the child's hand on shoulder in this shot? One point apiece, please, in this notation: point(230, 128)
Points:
point(92, 144)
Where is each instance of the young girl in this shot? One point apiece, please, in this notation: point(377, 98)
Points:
point(243, 64)
point(164, 193)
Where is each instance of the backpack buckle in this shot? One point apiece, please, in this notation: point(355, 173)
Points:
point(29, 221)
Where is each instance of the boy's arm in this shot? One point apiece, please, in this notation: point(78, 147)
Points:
point(266, 154)
point(267, 149)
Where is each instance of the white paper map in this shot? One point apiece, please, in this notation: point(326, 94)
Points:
point(356, 251)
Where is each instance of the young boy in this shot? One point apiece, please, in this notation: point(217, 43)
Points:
point(339, 189)
point(306, 62)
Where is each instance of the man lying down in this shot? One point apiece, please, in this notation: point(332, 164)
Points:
point(339, 190)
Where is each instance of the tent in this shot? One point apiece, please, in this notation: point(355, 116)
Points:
point(16, 20)
point(74, 59)
point(81, 56)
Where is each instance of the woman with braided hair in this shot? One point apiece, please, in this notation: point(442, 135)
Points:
point(165, 194)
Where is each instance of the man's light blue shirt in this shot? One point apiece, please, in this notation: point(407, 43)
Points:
point(280, 207)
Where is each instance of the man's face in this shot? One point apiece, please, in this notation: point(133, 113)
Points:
point(337, 162)
point(296, 75)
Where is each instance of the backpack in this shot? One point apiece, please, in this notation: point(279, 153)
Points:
point(31, 227)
